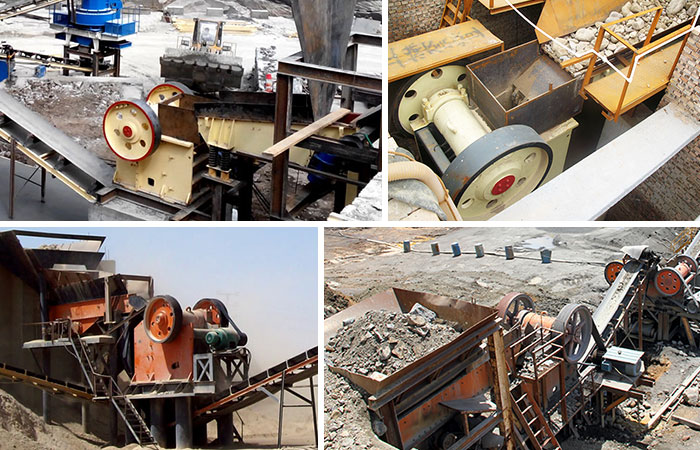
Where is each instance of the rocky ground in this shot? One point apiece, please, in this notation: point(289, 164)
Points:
point(360, 262)
point(634, 31)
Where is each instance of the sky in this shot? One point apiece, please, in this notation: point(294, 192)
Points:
point(267, 277)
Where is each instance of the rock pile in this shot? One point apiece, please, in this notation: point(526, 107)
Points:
point(634, 31)
point(333, 301)
point(347, 420)
point(381, 343)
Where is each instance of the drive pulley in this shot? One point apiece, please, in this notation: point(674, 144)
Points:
point(485, 171)
point(162, 319)
point(131, 129)
point(166, 91)
point(574, 323)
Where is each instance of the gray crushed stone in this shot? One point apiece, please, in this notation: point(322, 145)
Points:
point(634, 31)
point(385, 342)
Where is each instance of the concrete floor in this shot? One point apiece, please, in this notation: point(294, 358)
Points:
point(61, 202)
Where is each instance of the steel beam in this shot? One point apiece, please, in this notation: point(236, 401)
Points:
point(294, 66)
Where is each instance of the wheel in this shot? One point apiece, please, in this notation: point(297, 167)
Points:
point(131, 129)
point(510, 307)
point(576, 324)
point(668, 282)
point(497, 170)
point(162, 319)
point(612, 270)
point(689, 261)
point(165, 91)
point(408, 97)
point(219, 312)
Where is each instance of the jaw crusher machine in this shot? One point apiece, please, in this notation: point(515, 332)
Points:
point(177, 361)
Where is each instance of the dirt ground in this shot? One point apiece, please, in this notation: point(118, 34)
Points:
point(20, 428)
point(360, 262)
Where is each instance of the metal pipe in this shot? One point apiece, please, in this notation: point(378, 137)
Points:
point(46, 357)
point(183, 422)
point(84, 416)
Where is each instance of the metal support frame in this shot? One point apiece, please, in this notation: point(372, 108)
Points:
point(293, 67)
point(203, 367)
point(13, 175)
point(308, 403)
point(94, 56)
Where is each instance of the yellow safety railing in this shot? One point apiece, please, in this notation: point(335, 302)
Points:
point(639, 53)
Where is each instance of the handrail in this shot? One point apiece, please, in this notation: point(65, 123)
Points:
point(640, 53)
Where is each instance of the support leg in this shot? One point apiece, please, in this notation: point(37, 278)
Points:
point(217, 202)
point(158, 422)
point(281, 414)
point(84, 416)
point(280, 170)
point(183, 422)
point(13, 156)
point(200, 438)
point(224, 429)
point(313, 408)
point(43, 185)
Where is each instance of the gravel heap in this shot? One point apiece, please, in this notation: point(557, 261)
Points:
point(347, 421)
point(634, 31)
point(382, 342)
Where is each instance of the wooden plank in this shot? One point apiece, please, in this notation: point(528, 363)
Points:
point(653, 74)
point(619, 167)
point(306, 132)
point(673, 398)
point(436, 48)
point(687, 422)
point(561, 17)
point(688, 332)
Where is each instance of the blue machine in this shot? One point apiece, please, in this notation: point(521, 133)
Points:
point(98, 26)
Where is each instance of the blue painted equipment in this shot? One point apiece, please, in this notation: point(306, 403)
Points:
point(7, 62)
point(40, 71)
point(94, 31)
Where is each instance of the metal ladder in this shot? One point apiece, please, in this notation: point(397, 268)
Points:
point(452, 15)
point(533, 422)
point(105, 386)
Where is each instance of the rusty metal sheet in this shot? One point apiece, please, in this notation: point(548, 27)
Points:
point(324, 35)
point(561, 17)
point(420, 53)
point(14, 258)
point(431, 415)
point(478, 321)
point(551, 94)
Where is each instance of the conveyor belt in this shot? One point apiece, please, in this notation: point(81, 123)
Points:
point(47, 146)
point(23, 7)
point(44, 382)
point(693, 249)
point(302, 366)
point(615, 301)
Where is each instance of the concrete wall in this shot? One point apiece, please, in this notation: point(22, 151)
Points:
point(409, 18)
point(20, 308)
point(672, 192)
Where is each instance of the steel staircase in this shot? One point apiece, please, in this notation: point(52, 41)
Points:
point(532, 420)
point(104, 387)
point(452, 14)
